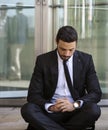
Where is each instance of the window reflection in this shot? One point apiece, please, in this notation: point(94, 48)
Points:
point(16, 41)
point(17, 38)
point(3, 42)
point(17, 54)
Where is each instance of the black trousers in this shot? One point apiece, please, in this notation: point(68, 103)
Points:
point(79, 119)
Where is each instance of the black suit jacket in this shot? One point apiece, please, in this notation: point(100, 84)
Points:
point(44, 79)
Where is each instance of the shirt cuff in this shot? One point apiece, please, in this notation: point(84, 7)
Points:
point(47, 105)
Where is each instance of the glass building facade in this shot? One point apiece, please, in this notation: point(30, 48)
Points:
point(28, 28)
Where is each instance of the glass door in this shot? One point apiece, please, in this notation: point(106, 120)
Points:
point(17, 53)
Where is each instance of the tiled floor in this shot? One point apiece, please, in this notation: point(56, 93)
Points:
point(10, 119)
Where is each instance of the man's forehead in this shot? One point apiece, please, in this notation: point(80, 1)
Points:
point(66, 45)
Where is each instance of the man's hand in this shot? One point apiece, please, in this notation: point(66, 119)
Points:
point(62, 105)
point(54, 108)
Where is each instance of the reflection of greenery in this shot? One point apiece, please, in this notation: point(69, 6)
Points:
point(103, 85)
point(27, 59)
point(104, 89)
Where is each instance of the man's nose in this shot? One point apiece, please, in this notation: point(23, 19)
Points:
point(67, 53)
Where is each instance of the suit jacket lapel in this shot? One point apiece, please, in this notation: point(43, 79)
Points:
point(54, 69)
point(76, 69)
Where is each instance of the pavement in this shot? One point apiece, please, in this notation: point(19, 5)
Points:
point(10, 119)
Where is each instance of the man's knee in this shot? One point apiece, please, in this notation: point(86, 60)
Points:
point(28, 110)
point(93, 111)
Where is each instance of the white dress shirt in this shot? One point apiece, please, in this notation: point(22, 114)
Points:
point(62, 89)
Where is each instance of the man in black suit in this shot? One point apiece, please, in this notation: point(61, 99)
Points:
point(52, 103)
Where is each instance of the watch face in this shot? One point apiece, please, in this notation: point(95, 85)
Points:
point(76, 105)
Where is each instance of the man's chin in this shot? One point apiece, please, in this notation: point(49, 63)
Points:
point(65, 58)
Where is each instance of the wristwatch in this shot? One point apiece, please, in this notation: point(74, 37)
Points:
point(76, 104)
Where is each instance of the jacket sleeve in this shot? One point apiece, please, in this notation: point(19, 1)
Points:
point(92, 86)
point(35, 91)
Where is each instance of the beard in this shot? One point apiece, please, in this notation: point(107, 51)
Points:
point(64, 57)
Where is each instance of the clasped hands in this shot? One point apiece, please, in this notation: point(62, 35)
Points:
point(62, 105)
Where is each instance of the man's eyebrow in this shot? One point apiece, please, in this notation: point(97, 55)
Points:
point(66, 48)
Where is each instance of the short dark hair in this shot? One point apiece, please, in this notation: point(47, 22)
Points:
point(67, 34)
